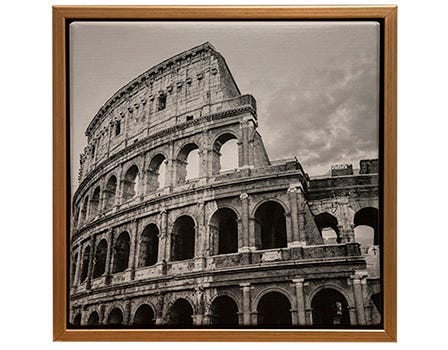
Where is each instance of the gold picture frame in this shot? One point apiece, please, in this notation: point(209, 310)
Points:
point(62, 15)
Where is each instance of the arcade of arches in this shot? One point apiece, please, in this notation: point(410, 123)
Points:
point(329, 308)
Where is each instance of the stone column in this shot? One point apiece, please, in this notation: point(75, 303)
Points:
point(127, 312)
point(300, 300)
point(345, 218)
point(163, 216)
point(170, 177)
point(132, 251)
point(245, 223)
point(246, 289)
point(110, 244)
point(77, 268)
point(244, 125)
point(143, 179)
point(301, 207)
point(91, 262)
point(359, 301)
point(119, 189)
point(292, 193)
point(201, 234)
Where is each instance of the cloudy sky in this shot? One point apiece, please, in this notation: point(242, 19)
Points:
point(316, 83)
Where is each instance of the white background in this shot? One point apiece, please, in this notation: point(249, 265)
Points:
point(25, 178)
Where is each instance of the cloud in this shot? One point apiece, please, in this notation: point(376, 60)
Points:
point(326, 116)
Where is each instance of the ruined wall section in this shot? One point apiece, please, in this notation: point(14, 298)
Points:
point(180, 89)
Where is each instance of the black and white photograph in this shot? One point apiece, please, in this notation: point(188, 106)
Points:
point(225, 175)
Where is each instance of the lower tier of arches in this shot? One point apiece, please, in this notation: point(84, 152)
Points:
point(300, 303)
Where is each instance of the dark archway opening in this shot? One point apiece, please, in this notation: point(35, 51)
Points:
point(183, 238)
point(328, 228)
point(130, 183)
point(274, 309)
point(181, 314)
point(144, 317)
point(149, 246)
point(110, 192)
point(115, 318)
point(95, 203)
point(224, 312)
point(100, 259)
point(77, 320)
point(270, 224)
point(85, 264)
point(224, 230)
point(94, 319)
point(368, 217)
point(121, 253)
point(330, 309)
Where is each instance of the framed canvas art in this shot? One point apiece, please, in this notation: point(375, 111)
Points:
point(224, 173)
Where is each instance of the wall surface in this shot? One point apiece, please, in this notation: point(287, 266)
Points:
point(422, 100)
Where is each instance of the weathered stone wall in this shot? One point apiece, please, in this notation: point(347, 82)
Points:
point(119, 196)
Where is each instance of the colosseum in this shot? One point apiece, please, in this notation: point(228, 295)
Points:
point(164, 234)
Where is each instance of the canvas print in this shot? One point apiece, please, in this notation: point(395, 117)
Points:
point(225, 175)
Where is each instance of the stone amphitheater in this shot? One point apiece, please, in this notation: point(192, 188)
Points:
point(164, 235)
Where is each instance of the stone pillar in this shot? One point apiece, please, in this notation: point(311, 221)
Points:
point(132, 251)
point(127, 312)
point(300, 300)
point(292, 193)
point(345, 218)
point(246, 289)
point(91, 262)
point(201, 234)
point(143, 179)
point(244, 125)
point(170, 176)
point(301, 207)
point(359, 300)
point(245, 223)
point(77, 268)
point(110, 244)
point(119, 189)
point(163, 252)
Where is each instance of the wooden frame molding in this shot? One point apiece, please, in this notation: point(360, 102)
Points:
point(61, 193)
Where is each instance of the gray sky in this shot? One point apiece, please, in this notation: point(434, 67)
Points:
point(316, 84)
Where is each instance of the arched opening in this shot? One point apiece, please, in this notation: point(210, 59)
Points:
point(224, 230)
point(95, 202)
point(183, 238)
point(180, 313)
point(115, 317)
point(94, 319)
point(100, 259)
point(156, 173)
point(270, 225)
point(149, 246)
point(144, 317)
point(85, 264)
point(110, 192)
point(328, 227)
point(130, 183)
point(77, 320)
point(74, 262)
point(225, 153)
point(366, 223)
point(188, 163)
point(274, 309)
point(330, 309)
point(83, 215)
point(121, 253)
point(224, 311)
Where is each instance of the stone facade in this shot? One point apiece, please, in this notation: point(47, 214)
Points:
point(226, 248)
